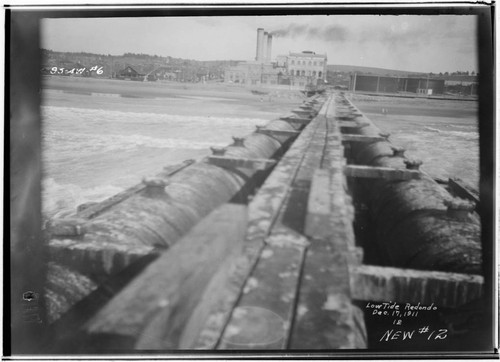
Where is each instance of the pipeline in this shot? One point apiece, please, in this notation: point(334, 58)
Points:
point(418, 224)
point(152, 217)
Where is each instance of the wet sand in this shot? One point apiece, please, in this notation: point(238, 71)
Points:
point(216, 99)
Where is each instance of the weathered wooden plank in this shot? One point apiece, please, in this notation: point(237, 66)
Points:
point(376, 283)
point(317, 224)
point(458, 188)
point(264, 207)
point(313, 154)
point(325, 317)
point(334, 151)
point(385, 173)
point(232, 162)
point(155, 306)
point(263, 316)
point(296, 120)
point(361, 138)
point(204, 328)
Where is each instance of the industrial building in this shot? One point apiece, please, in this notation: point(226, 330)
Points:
point(386, 84)
point(295, 70)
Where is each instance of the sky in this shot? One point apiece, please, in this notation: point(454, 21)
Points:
point(431, 43)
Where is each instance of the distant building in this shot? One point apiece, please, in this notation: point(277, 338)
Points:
point(295, 70)
point(253, 73)
point(307, 66)
point(130, 73)
point(386, 84)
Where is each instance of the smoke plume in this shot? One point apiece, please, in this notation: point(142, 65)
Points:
point(329, 33)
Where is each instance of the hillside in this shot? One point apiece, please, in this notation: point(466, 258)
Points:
point(112, 66)
point(369, 70)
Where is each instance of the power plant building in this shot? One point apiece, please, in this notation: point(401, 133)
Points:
point(295, 70)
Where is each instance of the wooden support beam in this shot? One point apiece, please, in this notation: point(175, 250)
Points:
point(361, 138)
point(351, 124)
point(385, 173)
point(300, 120)
point(458, 188)
point(252, 163)
point(346, 117)
point(301, 111)
point(151, 312)
point(384, 284)
point(273, 132)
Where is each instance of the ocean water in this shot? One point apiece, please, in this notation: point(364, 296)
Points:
point(90, 154)
point(443, 134)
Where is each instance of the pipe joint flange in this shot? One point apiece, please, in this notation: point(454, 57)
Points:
point(385, 135)
point(155, 186)
point(218, 151)
point(398, 151)
point(238, 141)
point(413, 164)
point(259, 128)
point(459, 208)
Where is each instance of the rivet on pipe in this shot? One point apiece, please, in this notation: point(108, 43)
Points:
point(398, 151)
point(413, 164)
point(384, 135)
point(218, 151)
point(459, 208)
point(85, 206)
point(155, 186)
point(238, 141)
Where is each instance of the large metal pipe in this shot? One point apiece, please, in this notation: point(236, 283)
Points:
point(416, 225)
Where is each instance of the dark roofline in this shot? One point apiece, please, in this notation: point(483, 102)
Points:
point(397, 77)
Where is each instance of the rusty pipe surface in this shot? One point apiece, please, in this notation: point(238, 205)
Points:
point(416, 225)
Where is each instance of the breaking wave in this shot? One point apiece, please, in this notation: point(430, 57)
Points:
point(59, 200)
point(461, 134)
point(90, 143)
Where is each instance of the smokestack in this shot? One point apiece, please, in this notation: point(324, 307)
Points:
point(260, 44)
point(269, 47)
point(264, 42)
